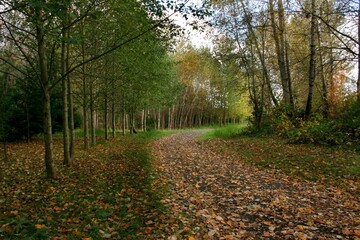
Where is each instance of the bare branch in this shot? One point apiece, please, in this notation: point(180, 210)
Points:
point(12, 65)
point(337, 31)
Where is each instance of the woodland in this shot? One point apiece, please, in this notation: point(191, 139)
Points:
point(87, 89)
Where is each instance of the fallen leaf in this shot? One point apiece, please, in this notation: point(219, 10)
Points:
point(40, 226)
point(211, 233)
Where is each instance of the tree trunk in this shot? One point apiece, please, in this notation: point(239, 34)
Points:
point(311, 62)
point(84, 103)
point(44, 78)
point(71, 121)
point(6, 158)
point(71, 108)
point(49, 149)
point(280, 45)
point(322, 72)
point(27, 123)
point(169, 119)
point(259, 53)
point(106, 115)
point(123, 115)
point(291, 95)
point(158, 119)
point(86, 125)
point(358, 78)
point(66, 140)
point(92, 116)
point(113, 118)
point(143, 120)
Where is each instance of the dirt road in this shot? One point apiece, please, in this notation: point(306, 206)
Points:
point(218, 197)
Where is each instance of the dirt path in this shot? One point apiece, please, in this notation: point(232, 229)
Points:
point(217, 197)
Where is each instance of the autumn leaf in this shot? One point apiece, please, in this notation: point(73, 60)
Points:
point(40, 226)
point(112, 192)
point(56, 208)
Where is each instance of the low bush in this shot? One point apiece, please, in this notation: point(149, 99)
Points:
point(341, 129)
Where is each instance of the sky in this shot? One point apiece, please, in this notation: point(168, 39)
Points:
point(198, 38)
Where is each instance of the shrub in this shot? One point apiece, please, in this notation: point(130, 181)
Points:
point(343, 129)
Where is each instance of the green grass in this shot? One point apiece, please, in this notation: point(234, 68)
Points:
point(79, 133)
point(225, 132)
point(151, 135)
point(331, 165)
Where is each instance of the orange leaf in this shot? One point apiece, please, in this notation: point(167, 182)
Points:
point(56, 208)
point(191, 238)
point(39, 226)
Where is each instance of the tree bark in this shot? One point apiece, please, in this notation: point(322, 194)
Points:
point(66, 140)
point(113, 117)
point(312, 63)
point(143, 120)
point(71, 107)
point(169, 118)
point(85, 116)
point(44, 79)
point(280, 45)
point(71, 120)
point(322, 72)
point(358, 79)
point(123, 115)
point(84, 102)
point(27, 123)
point(158, 119)
point(92, 116)
point(106, 114)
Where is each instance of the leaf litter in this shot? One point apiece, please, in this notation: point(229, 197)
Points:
point(191, 190)
point(216, 196)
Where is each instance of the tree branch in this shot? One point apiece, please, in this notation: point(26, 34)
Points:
point(117, 46)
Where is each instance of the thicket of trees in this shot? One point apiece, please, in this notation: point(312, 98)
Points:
point(106, 60)
point(212, 91)
point(297, 58)
point(115, 65)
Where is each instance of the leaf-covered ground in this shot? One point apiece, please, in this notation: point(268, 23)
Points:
point(216, 196)
point(109, 193)
point(185, 189)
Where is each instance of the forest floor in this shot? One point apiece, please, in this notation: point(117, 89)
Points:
point(180, 187)
point(217, 196)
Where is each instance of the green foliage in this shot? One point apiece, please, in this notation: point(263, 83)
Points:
point(342, 129)
point(22, 112)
